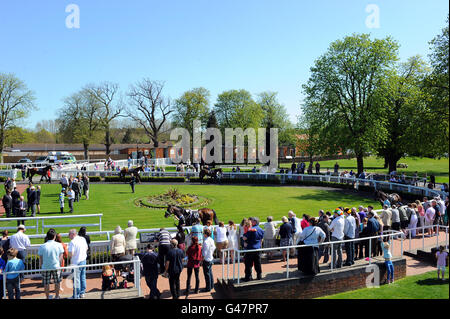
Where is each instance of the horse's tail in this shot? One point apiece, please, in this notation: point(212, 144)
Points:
point(28, 172)
point(216, 221)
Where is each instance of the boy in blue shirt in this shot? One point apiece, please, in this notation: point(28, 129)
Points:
point(13, 280)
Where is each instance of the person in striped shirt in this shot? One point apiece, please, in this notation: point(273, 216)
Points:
point(163, 248)
point(61, 200)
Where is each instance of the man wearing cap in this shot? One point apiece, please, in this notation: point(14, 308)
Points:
point(337, 229)
point(61, 200)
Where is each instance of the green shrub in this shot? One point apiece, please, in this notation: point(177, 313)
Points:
point(95, 179)
point(2, 179)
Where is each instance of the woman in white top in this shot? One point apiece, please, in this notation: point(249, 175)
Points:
point(232, 237)
point(270, 234)
point(117, 244)
point(413, 220)
point(221, 240)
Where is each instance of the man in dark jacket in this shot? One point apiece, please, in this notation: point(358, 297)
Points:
point(324, 249)
point(149, 262)
point(15, 195)
point(174, 267)
point(32, 200)
point(7, 203)
point(371, 230)
point(253, 239)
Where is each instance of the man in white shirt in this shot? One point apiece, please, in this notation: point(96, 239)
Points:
point(130, 238)
point(429, 217)
point(297, 227)
point(208, 249)
point(349, 233)
point(337, 229)
point(71, 198)
point(20, 241)
point(78, 253)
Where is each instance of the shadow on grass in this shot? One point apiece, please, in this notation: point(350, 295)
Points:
point(432, 282)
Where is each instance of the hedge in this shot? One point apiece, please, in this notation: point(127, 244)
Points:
point(236, 181)
point(95, 179)
point(2, 179)
point(127, 179)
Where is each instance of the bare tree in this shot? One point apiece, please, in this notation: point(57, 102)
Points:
point(149, 108)
point(111, 107)
point(80, 119)
point(16, 100)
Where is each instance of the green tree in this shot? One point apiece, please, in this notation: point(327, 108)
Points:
point(191, 105)
point(342, 103)
point(275, 115)
point(434, 117)
point(128, 138)
point(80, 119)
point(237, 109)
point(403, 98)
point(16, 101)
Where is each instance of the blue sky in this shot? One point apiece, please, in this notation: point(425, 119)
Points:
point(256, 45)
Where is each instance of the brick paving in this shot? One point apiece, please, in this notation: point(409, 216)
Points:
point(32, 288)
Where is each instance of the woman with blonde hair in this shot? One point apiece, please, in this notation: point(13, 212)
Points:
point(109, 279)
point(232, 237)
point(420, 214)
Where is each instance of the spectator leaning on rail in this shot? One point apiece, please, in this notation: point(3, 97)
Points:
point(130, 238)
point(163, 248)
point(286, 234)
point(12, 280)
point(308, 257)
point(349, 233)
point(50, 259)
point(20, 242)
point(253, 239)
point(296, 224)
point(78, 253)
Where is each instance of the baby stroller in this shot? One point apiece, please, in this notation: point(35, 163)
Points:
point(126, 270)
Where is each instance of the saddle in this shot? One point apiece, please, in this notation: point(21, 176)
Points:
point(191, 215)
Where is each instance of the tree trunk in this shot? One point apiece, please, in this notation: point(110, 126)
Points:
point(107, 141)
point(386, 162)
point(393, 163)
point(360, 162)
point(86, 151)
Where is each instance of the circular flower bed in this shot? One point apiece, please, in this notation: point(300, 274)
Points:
point(172, 197)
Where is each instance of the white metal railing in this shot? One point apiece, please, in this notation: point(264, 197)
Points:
point(75, 268)
point(432, 228)
point(331, 244)
point(43, 226)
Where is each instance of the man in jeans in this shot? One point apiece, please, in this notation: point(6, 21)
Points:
point(337, 234)
point(208, 249)
point(50, 258)
point(78, 253)
point(349, 233)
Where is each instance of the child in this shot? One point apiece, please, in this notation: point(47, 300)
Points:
point(61, 200)
point(441, 256)
point(109, 279)
point(387, 261)
point(12, 280)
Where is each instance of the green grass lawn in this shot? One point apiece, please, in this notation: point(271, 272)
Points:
point(438, 167)
point(425, 286)
point(116, 203)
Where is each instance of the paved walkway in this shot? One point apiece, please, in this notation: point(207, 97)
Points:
point(21, 188)
point(32, 288)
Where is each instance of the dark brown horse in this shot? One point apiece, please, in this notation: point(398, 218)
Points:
point(43, 171)
point(382, 196)
point(132, 171)
point(187, 217)
point(213, 173)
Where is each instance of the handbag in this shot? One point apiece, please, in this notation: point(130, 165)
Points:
point(302, 242)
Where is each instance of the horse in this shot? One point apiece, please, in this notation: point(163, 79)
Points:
point(132, 171)
point(382, 196)
point(188, 217)
point(215, 174)
point(43, 171)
